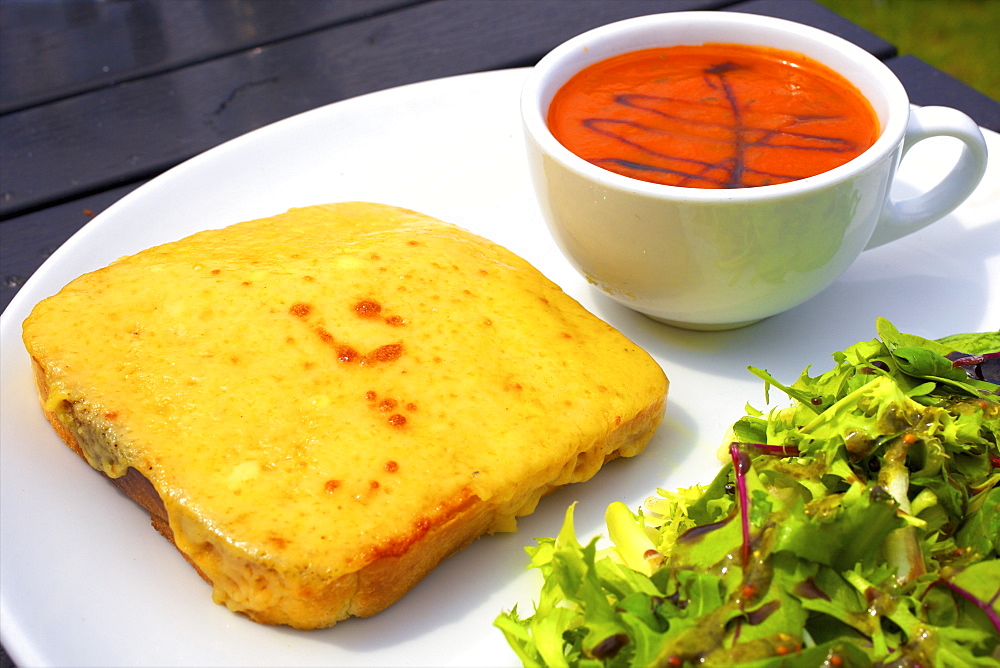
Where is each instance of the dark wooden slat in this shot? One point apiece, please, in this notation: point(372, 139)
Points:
point(134, 130)
point(816, 15)
point(927, 85)
point(27, 241)
point(52, 50)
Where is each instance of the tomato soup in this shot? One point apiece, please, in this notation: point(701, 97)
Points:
point(713, 116)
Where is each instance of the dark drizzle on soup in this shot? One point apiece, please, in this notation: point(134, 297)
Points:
point(713, 116)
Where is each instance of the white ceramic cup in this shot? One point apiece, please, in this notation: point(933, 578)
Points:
point(719, 259)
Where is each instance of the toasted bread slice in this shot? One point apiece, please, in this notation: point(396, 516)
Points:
point(318, 407)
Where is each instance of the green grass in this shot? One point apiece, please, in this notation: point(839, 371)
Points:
point(960, 37)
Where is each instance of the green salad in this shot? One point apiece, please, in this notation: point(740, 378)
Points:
point(859, 526)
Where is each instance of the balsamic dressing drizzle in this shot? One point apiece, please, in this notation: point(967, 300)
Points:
point(731, 172)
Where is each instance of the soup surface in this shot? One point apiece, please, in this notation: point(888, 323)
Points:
point(713, 116)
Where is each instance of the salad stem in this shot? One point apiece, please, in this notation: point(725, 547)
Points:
point(741, 463)
point(985, 606)
point(970, 360)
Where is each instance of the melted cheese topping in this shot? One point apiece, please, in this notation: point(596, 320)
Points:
point(310, 392)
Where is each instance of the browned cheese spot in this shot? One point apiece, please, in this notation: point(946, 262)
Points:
point(367, 308)
point(278, 541)
point(300, 310)
point(347, 354)
point(387, 353)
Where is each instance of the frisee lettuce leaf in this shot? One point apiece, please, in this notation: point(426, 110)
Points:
point(858, 526)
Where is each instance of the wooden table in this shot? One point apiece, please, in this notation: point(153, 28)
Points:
point(97, 98)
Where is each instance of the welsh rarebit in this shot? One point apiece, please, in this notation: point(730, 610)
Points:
point(318, 407)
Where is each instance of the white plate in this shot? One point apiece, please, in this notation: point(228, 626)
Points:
point(86, 580)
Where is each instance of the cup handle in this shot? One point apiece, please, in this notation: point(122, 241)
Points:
point(902, 217)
